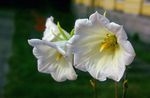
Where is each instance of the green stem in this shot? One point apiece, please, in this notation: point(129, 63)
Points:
point(116, 90)
point(93, 83)
point(125, 85)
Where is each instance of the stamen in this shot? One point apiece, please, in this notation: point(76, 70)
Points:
point(109, 43)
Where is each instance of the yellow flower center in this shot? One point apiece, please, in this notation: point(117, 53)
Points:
point(109, 43)
point(58, 56)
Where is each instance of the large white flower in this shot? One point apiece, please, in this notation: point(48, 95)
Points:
point(101, 47)
point(54, 53)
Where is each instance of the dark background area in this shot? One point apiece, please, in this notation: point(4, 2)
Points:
point(63, 5)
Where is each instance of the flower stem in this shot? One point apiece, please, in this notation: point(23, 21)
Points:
point(116, 89)
point(93, 83)
point(125, 85)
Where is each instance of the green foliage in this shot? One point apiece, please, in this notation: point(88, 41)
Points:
point(62, 31)
point(72, 32)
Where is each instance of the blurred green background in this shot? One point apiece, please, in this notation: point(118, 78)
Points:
point(22, 80)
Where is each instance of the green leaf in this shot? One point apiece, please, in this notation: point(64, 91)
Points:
point(72, 32)
point(61, 31)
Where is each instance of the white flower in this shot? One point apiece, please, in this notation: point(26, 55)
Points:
point(101, 47)
point(54, 53)
point(52, 32)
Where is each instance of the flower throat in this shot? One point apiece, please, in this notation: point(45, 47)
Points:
point(109, 43)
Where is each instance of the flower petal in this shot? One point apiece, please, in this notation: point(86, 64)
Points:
point(46, 53)
point(127, 51)
point(61, 47)
point(106, 66)
point(111, 66)
point(64, 71)
point(85, 26)
point(69, 53)
point(86, 57)
point(51, 31)
point(98, 19)
point(36, 42)
point(118, 30)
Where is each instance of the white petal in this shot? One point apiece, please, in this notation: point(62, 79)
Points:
point(127, 51)
point(85, 57)
point(73, 40)
point(98, 19)
point(46, 53)
point(61, 46)
point(35, 42)
point(93, 32)
point(81, 24)
point(49, 22)
point(112, 66)
point(85, 26)
point(64, 71)
point(118, 30)
point(69, 52)
point(51, 31)
point(106, 66)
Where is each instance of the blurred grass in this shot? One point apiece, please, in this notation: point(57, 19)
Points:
point(24, 81)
